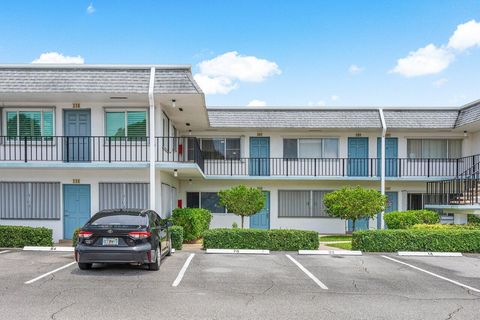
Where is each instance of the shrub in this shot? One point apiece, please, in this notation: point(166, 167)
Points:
point(75, 237)
point(406, 219)
point(20, 236)
point(194, 221)
point(354, 203)
point(447, 239)
point(471, 218)
point(260, 239)
point(469, 226)
point(291, 240)
point(236, 239)
point(176, 237)
point(234, 225)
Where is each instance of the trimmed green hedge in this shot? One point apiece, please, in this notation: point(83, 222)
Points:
point(469, 226)
point(278, 240)
point(176, 237)
point(193, 220)
point(406, 219)
point(471, 218)
point(292, 240)
point(20, 236)
point(447, 240)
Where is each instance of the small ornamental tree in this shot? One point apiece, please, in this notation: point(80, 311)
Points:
point(242, 200)
point(353, 203)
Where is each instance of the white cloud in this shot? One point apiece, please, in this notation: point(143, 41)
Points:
point(466, 35)
point(354, 69)
point(256, 103)
point(222, 73)
point(334, 98)
point(319, 103)
point(55, 57)
point(90, 8)
point(424, 61)
point(440, 82)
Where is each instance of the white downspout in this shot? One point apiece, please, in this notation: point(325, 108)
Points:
point(382, 161)
point(153, 149)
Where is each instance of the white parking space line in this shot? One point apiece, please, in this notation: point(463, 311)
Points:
point(308, 273)
point(4, 251)
point(433, 274)
point(49, 273)
point(182, 271)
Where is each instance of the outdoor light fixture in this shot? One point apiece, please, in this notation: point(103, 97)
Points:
point(174, 103)
point(175, 173)
point(189, 132)
point(465, 133)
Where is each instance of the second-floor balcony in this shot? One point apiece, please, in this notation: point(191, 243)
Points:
point(91, 149)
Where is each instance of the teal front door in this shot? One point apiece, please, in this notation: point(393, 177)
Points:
point(259, 164)
point(357, 157)
point(261, 220)
point(77, 138)
point(76, 207)
point(392, 205)
point(391, 157)
point(360, 224)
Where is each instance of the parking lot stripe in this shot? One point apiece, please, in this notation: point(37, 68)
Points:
point(308, 273)
point(433, 274)
point(49, 273)
point(4, 251)
point(182, 271)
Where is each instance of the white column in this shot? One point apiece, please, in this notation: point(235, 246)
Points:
point(153, 149)
point(382, 162)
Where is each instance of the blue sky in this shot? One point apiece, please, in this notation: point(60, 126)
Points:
point(339, 53)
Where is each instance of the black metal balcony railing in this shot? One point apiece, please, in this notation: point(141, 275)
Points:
point(187, 149)
point(336, 167)
point(459, 191)
point(98, 149)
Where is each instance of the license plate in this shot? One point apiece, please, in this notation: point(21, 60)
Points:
point(110, 241)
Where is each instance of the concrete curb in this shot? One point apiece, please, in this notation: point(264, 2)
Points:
point(330, 252)
point(429, 254)
point(56, 249)
point(238, 251)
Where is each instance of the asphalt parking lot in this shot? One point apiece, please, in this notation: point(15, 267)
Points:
point(282, 285)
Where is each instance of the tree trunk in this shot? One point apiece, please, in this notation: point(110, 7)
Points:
point(242, 221)
point(353, 225)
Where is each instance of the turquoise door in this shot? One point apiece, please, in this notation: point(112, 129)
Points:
point(259, 156)
point(77, 135)
point(76, 207)
point(261, 220)
point(358, 157)
point(391, 157)
point(360, 224)
point(392, 205)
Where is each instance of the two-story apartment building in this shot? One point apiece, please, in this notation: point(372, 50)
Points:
point(78, 139)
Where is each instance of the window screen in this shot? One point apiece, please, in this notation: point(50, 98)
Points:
point(301, 203)
point(30, 200)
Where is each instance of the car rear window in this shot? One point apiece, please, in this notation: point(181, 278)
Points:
point(119, 220)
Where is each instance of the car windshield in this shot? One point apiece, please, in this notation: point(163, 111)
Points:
point(117, 219)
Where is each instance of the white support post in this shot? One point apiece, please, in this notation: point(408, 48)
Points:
point(382, 161)
point(153, 149)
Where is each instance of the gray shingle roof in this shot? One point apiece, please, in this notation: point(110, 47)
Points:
point(469, 114)
point(91, 79)
point(420, 119)
point(294, 118)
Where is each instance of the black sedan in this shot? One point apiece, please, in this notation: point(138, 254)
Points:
point(123, 236)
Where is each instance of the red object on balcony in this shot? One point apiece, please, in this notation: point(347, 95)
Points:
point(179, 203)
point(180, 148)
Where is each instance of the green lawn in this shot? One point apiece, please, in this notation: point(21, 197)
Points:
point(346, 246)
point(335, 238)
